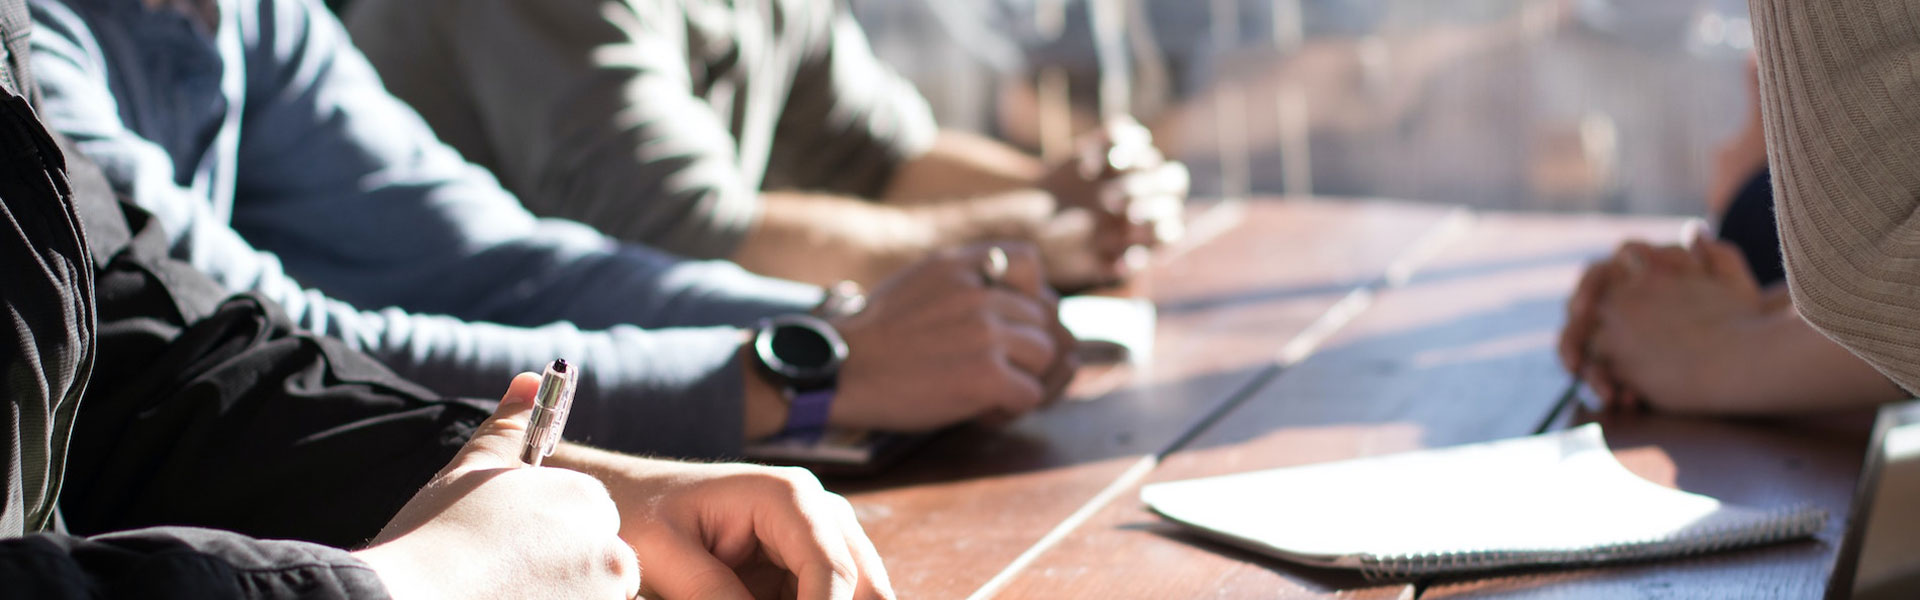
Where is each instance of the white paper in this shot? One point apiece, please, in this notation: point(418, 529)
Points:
point(1124, 322)
point(1549, 494)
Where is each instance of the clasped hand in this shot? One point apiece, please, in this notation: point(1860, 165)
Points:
point(1662, 326)
point(1116, 193)
point(939, 344)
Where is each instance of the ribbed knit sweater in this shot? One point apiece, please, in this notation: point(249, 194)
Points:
point(1840, 87)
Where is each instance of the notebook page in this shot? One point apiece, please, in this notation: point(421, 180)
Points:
point(1553, 494)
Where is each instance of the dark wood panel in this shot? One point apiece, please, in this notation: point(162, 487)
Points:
point(1461, 353)
point(955, 513)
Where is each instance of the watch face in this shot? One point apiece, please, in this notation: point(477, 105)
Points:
point(803, 349)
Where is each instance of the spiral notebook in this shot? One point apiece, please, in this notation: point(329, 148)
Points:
point(1557, 499)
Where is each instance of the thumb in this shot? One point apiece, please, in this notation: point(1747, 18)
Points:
point(496, 443)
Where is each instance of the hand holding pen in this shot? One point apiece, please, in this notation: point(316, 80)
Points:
point(486, 529)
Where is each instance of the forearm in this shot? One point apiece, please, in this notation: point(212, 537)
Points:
point(675, 392)
point(823, 239)
point(1782, 365)
point(963, 165)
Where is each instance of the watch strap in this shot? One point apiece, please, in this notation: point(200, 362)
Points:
point(807, 411)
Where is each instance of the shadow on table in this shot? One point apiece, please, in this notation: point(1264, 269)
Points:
point(1439, 275)
point(1771, 463)
point(1502, 356)
point(1499, 358)
point(1461, 378)
point(1124, 424)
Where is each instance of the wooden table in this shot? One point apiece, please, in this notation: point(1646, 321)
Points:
point(1301, 331)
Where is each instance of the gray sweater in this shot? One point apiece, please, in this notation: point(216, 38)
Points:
point(1839, 80)
point(656, 121)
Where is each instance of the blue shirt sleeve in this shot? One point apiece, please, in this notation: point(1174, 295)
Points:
point(344, 186)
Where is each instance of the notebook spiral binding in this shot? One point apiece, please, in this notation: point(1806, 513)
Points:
point(1777, 526)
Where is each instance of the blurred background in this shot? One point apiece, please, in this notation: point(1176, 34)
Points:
point(1552, 105)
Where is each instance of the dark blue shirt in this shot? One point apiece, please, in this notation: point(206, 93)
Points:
point(277, 161)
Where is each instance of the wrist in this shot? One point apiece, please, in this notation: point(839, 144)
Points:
point(800, 357)
point(764, 409)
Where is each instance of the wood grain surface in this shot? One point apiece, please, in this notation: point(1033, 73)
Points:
point(1423, 351)
point(1460, 353)
point(958, 511)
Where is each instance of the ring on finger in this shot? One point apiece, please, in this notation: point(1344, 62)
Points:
point(993, 270)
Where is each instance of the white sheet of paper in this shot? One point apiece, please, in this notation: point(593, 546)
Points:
point(1557, 492)
point(1125, 322)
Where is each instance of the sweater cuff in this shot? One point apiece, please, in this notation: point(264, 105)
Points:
point(688, 403)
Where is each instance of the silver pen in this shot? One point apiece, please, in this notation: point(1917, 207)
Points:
point(550, 406)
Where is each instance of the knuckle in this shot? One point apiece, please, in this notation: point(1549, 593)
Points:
point(988, 329)
point(986, 371)
point(839, 504)
point(618, 559)
point(589, 492)
point(787, 482)
point(1048, 343)
point(799, 478)
point(843, 569)
point(980, 336)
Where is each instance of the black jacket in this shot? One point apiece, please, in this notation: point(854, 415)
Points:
point(188, 423)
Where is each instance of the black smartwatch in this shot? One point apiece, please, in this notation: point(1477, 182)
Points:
point(802, 355)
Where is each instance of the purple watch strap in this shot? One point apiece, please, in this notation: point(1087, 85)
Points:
point(808, 411)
